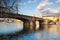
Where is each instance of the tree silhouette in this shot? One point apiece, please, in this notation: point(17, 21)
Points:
point(9, 5)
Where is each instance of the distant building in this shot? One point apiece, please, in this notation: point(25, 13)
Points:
point(53, 18)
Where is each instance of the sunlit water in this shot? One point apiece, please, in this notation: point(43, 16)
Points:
point(6, 28)
point(50, 32)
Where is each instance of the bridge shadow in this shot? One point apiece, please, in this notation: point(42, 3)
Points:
point(29, 25)
point(20, 33)
point(15, 35)
point(11, 36)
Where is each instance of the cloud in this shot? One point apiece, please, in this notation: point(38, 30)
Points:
point(19, 3)
point(43, 4)
point(29, 1)
point(32, 1)
point(57, 1)
point(35, 0)
point(37, 13)
point(50, 11)
point(53, 10)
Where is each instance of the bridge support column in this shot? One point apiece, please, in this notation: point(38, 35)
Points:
point(26, 25)
point(29, 25)
point(58, 19)
point(46, 21)
point(32, 25)
point(41, 24)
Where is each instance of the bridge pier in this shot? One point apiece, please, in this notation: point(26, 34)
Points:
point(32, 25)
point(36, 25)
point(29, 22)
point(29, 25)
point(46, 21)
point(41, 24)
point(58, 19)
point(26, 25)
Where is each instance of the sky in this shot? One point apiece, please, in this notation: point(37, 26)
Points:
point(36, 8)
point(39, 8)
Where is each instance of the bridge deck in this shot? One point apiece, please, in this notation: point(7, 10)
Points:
point(18, 16)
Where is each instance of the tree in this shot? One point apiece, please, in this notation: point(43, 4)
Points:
point(9, 5)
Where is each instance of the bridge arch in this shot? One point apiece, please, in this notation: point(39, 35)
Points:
point(26, 22)
point(29, 22)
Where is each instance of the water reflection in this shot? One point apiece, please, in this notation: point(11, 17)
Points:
point(10, 27)
point(54, 32)
point(50, 32)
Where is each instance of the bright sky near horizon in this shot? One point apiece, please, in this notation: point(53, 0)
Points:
point(39, 7)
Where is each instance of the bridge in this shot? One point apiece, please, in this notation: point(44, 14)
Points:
point(29, 22)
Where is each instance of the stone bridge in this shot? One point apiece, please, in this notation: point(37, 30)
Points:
point(29, 22)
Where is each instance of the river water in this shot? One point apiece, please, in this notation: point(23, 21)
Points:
point(6, 28)
point(50, 32)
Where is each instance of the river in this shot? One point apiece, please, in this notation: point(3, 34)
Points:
point(50, 32)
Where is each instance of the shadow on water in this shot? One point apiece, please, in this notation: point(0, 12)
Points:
point(14, 36)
